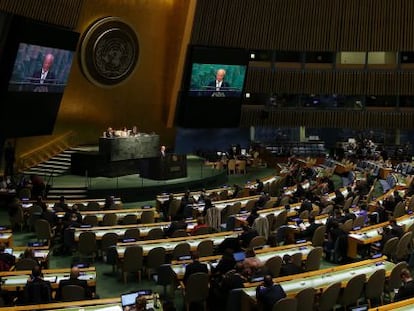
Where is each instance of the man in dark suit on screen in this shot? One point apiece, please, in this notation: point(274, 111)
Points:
point(219, 84)
point(44, 75)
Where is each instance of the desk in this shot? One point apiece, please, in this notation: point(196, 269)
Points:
point(41, 254)
point(263, 254)
point(113, 304)
point(320, 279)
point(370, 234)
point(119, 213)
point(403, 305)
point(120, 229)
point(161, 198)
point(170, 243)
point(6, 237)
point(17, 279)
point(51, 204)
point(129, 148)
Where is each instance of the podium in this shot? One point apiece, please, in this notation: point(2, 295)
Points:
point(171, 166)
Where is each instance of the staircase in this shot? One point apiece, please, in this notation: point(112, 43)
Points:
point(56, 166)
point(70, 193)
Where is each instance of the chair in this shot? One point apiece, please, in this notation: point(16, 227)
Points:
point(108, 239)
point(273, 265)
point(181, 249)
point(203, 230)
point(359, 221)
point(347, 225)
point(231, 166)
point(318, 237)
point(280, 220)
point(241, 167)
point(80, 206)
point(328, 298)
point(110, 219)
point(196, 289)
point(297, 259)
point(179, 233)
point(205, 248)
point(17, 219)
point(249, 205)
point(25, 193)
point(155, 234)
point(304, 214)
point(390, 247)
point(25, 264)
point(394, 280)
point(257, 242)
point(155, 258)
point(166, 277)
point(352, 291)
point(132, 262)
point(87, 247)
point(374, 289)
point(73, 293)
point(93, 206)
point(43, 231)
point(213, 218)
point(285, 304)
point(132, 233)
point(261, 225)
point(313, 261)
point(402, 250)
point(130, 219)
point(399, 210)
point(90, 220)
point(306, 299)
point(147, 217)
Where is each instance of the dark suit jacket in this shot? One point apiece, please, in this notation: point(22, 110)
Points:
point(405, 291)
point(194, 267)
point(289, 269)
point(81, 283)
point(50, 78)
point(212, 85)
point(268, 296)
point(175, 225)
point(37, 291)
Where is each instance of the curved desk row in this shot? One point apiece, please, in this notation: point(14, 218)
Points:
point(320, 279)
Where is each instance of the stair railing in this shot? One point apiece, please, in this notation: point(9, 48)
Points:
point(45, 151)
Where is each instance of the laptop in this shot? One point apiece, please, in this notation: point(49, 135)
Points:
point(239, 256)
point(360, 308)
point(8, 251)
point(128, 299)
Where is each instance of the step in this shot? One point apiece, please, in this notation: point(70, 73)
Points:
point(67, 196)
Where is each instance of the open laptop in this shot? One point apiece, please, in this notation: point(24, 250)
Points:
point(8, 251)
point(239, 256)
point(128, 299)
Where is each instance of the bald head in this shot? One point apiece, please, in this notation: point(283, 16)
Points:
point(48, 62)
point(74, 272)
point(220, 73)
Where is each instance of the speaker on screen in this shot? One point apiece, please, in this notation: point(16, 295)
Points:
point(212, 88)
point(36, 60)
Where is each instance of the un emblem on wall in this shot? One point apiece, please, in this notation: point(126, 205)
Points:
point(109, 52)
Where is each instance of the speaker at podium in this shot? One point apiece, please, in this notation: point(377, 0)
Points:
point(167, 166)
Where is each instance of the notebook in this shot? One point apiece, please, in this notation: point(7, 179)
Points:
point(128, 299)
point(8, 251)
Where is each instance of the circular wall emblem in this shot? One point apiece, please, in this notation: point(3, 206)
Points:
point(109, 52)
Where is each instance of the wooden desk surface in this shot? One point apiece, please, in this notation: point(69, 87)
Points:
point(321, 279)
point(170, 243)
point(120, 229)
point(403, 305)
point(11, 280)
point(263, 254)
